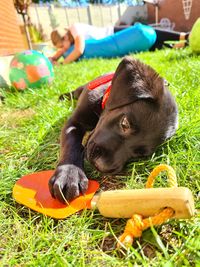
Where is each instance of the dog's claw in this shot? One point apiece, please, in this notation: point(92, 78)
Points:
point(67, 183)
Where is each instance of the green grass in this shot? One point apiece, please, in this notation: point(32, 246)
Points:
point(30, 124)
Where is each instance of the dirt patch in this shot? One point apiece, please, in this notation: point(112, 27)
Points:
point(12, 118)
point(111, 183)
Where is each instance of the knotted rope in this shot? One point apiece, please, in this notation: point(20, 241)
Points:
point(137, 224)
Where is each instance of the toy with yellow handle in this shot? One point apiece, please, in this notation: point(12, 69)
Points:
point(161, 203)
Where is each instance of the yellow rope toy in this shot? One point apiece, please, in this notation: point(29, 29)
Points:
point(137, 224)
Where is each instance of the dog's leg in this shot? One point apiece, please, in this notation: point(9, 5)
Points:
point(69, 179)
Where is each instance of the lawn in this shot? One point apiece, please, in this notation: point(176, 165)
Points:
point(30, 124)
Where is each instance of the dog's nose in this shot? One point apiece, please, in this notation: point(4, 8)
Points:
point(94, 151)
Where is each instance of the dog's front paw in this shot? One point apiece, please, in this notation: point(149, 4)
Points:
point(68, 182)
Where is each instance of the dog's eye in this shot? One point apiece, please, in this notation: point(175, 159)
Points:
point(124, 124)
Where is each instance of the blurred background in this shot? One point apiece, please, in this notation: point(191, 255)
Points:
point(27, 24)
point(37, 19)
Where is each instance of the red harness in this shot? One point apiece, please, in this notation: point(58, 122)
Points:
point(99, 81)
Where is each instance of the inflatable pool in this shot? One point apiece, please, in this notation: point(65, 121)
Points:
point(134, 39)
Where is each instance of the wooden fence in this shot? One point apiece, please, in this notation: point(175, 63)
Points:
point(48, 17)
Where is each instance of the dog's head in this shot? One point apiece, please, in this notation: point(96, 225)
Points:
point(139, 115)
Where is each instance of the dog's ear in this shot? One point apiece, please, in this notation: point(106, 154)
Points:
point(134, 81)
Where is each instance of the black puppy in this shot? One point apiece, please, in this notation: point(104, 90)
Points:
point(139, 115)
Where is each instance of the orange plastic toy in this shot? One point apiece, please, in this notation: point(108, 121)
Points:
point(32, 191)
